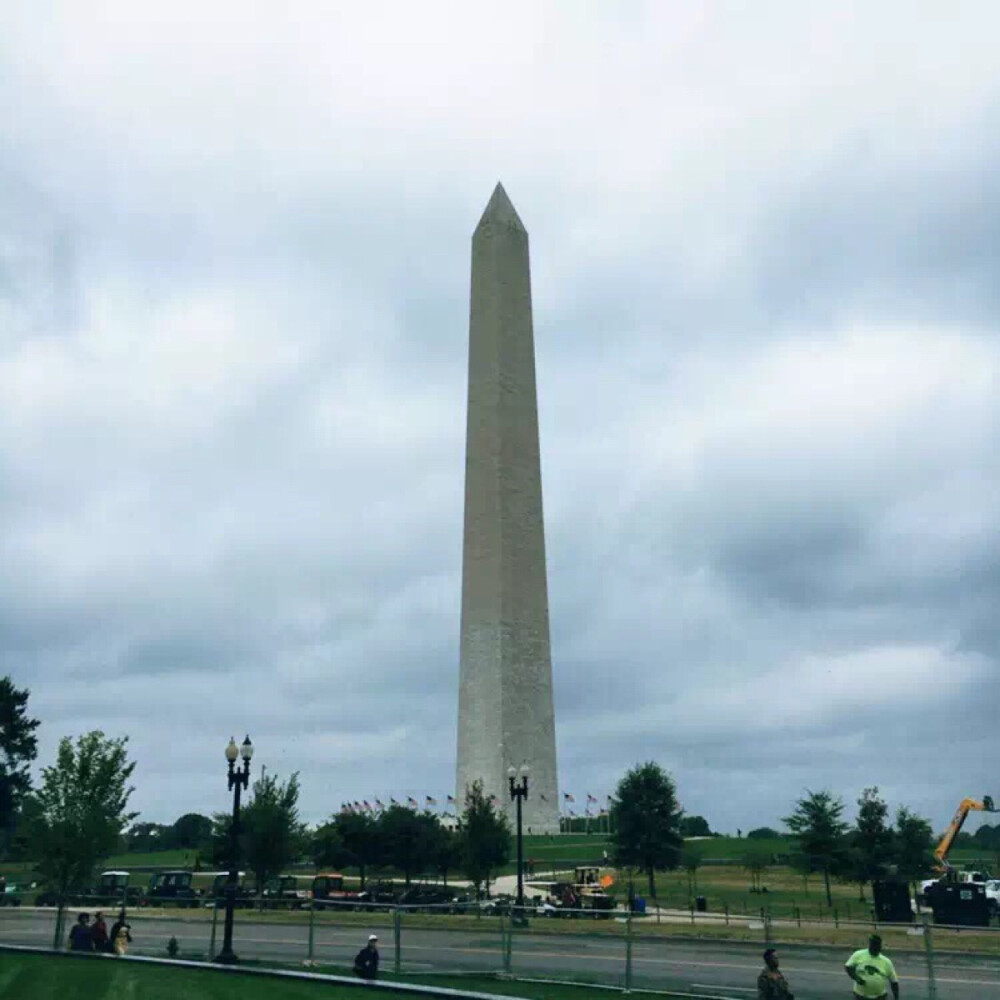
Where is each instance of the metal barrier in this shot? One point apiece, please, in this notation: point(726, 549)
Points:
point(612, 948)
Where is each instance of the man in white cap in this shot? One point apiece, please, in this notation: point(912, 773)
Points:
point(366, 960)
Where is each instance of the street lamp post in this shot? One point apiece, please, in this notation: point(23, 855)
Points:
point(519, 792)
point(238, 779)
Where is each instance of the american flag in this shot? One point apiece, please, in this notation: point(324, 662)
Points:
point(494, 799)
point(412, 802)
point(393, 801)
point(431, 802)
point(451, 799)
point(378, 804)
point(568, 798)
point(366, 806)
point(590, 798)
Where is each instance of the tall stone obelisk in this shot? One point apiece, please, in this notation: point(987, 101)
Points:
point(505, 711)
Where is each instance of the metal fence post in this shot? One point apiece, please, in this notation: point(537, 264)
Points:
point(312, 932)
point(628, 951)
point(397, 933)
point(215, 921)
point(929, 955)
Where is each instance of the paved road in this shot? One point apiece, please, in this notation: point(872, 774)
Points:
point(697, 968)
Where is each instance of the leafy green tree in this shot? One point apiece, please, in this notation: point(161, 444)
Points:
point(756, 860)
point(447, 854)
point(82, 811)
point(146, 837)
point(695, 826)
point(191, 832)
point(763, 833)
point(484, 838)
point(363, 842)
point(271, 833)
point(821, 831)
point(409, 839)
point(913, 846)
point(645, 818)
point(691, 860)
point(18, 748)
point(871, 840)
point(327, 847)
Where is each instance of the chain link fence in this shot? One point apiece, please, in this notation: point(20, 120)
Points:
point(611, 948)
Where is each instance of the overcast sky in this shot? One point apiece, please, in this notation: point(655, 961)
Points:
point(234, 270)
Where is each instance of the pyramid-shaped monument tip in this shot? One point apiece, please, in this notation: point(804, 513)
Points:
point(500, 211)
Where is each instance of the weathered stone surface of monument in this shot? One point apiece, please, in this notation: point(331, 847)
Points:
point(505, 710)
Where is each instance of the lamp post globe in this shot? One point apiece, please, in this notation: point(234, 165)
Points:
point(238, 778)
point(517, 780)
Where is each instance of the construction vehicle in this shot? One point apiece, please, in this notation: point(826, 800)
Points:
point(945, 872)
point(328, 890)
point(588, 891)
point(948, 839)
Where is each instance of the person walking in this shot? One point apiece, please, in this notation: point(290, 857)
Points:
point(771, 984)
point(99, 933)
point(120, 937)
point(366, 960)
point(872, 972)
point(80, 935)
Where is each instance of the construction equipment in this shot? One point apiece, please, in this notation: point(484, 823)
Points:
point(948, 839)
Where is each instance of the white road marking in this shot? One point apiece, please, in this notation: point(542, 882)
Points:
point(715, 986)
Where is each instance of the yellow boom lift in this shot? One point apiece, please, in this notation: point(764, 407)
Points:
point(965, 807)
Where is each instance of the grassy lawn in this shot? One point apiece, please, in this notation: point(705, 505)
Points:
point(39, 977)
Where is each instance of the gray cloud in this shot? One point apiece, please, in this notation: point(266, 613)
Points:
point(233, 321)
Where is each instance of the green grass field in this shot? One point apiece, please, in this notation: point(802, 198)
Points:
point(39, 977)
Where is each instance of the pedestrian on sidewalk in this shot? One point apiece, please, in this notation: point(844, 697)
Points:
point(366, 960)
point(79, 935)
point(120, 935)
point(99, 933)
point(771, 984)
point(872, 972)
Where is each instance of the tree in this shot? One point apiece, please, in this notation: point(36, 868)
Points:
point(646, 822)
point(821, 834)
point(871, 842)
point(191, 832)
point(756, 861)
point(18, 748)
point(447, 855)
point(763, 833)
point(147, 837)
point(695, 826)
point(362, 839)
point(484, 838)
point(82, 811)
point(328, 850)
point(271, 833)
point(409, 839)
point(691, 860)
point(913, 853)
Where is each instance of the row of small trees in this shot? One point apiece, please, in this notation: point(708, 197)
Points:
point(647, 823)
point(80, 811)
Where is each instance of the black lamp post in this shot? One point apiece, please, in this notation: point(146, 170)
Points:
point(238, 778)
point(519, 792)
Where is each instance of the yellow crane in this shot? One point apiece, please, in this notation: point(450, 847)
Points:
point(965, 807)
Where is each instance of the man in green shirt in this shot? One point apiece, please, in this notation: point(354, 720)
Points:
point(872, 971)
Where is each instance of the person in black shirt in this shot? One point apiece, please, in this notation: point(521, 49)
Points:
point(366, 960)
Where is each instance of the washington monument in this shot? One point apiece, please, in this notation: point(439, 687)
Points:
point(505, 713)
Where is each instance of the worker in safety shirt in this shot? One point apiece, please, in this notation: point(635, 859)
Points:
point(872, 972)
